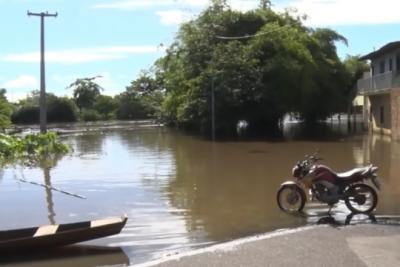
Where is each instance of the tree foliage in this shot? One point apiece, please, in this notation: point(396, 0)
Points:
point(31, 150)
point(59, 109)
point(85, 92)
point(142, 99)
point(6, 109)
point(355, 69)
point(105, 106)
point(261, 65)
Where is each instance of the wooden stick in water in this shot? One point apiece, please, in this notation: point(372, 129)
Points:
point(51, 188)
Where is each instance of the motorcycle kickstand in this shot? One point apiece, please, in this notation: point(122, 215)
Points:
point(330, 208)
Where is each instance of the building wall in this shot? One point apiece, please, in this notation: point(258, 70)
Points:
point(375, 63)
point(395, 113)
point(380, 114)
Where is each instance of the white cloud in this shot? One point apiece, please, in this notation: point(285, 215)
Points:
point(136, 4)
point(173, 17)
point(17, 88)
point(181, 10)
point(348, 12)
point(133, 4)
point(16, 96)
point(22, 82)
point(244, 5)
point(320, 12)
point(110, 86)
point(184, 4)
point(82, 55)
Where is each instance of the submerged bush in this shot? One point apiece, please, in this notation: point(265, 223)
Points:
point(90, 115)
point(62, 109)
point(26, 115)
point(59, 109)
point(31, 149)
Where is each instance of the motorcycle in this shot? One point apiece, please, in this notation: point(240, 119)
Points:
point(325, 185)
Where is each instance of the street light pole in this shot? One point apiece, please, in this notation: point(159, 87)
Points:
point(43, 115)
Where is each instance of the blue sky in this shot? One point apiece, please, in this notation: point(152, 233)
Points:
point(118, 38)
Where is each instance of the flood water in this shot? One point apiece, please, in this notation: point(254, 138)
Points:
point(180, 192)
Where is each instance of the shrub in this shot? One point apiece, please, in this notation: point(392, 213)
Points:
point(90, 115)
point(61, 110)
point(131, 108)
point(26, 115)
point(33, 149)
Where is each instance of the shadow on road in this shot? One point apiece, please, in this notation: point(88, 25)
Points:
point(353, 219)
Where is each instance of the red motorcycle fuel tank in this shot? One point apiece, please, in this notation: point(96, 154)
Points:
point(323, 172)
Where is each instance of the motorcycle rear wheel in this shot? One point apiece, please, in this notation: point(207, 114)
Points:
point(361, 198)
point(291, 198)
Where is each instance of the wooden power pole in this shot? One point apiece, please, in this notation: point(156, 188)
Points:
point(43, 115)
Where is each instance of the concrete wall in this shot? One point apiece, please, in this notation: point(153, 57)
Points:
point(395, 113)
point(380, 115)
point(386, 58)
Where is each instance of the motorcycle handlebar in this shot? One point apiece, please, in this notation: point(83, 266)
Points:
point(313, 158)
point(310, 159)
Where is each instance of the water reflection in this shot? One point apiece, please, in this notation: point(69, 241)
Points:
point(49, 195)
point(90, 144)
point(79, 255)
point(182, 192)
point(320, 131)
point(358, 218)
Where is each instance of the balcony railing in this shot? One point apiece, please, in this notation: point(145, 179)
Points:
point(378, 83)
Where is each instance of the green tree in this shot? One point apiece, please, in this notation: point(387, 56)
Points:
point(85, 92)
point(106, 106)
point(149, 91)
point(355, 68)
point(59, 109)
point(262, 64)
point(6, 109)
point(326, 93)
point(130, 107)
point(264, 4)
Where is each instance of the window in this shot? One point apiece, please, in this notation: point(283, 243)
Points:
point(382, 115)
point(382, 66)
point(390, 64)
point(398, 61)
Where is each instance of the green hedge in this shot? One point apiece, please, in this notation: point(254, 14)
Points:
point(58, 110)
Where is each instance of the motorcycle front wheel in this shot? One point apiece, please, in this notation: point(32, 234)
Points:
point(291, 198)
point(361, 198)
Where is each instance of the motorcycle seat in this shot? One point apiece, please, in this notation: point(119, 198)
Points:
point(353, 172)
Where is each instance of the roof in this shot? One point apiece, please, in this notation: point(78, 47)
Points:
point(383, 50)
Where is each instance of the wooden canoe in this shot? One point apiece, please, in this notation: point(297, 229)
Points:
point(51, 236)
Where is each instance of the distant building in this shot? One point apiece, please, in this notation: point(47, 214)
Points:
point(380, 87)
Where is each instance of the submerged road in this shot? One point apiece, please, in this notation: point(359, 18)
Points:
point(357, 245)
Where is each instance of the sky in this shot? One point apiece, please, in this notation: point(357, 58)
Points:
point(117, 39)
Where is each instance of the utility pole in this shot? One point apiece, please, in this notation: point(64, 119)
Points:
point(43, 115)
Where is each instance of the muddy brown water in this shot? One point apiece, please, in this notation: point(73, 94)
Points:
point(180, 192)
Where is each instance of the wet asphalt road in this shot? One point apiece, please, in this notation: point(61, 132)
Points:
point(324, 245)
